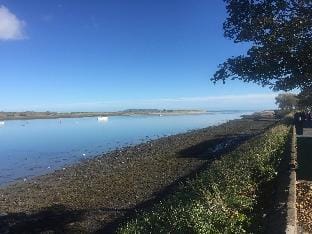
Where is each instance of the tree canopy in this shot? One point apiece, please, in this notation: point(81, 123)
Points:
point(305, 99)
point(286, 101)
point(280, 33)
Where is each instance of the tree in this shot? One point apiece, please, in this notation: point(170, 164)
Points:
point(305, 99)
point(280, 32)
point(286, 101)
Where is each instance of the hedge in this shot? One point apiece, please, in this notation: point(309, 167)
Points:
point(223, 198)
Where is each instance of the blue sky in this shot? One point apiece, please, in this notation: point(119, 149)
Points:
point(79, 55)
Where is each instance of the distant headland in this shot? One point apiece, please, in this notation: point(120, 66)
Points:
point(27, 115)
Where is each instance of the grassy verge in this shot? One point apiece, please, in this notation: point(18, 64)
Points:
point(222, 199)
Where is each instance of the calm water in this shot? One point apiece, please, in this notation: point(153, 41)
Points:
point(34, 147)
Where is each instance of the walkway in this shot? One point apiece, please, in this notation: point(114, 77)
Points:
point(307, 132)
point(304, 178)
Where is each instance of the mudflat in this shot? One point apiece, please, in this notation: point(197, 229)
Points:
point(97, 194)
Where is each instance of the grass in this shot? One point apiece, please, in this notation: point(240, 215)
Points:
point(224, 198)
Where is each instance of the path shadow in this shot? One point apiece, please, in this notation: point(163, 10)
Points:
point(304, 158)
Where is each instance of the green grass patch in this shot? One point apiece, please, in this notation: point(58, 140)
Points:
point(222, 199)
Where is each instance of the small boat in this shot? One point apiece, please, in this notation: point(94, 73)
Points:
point(1, 123)
point(102, 118)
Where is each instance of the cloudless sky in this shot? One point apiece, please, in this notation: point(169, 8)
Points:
point(79, 55)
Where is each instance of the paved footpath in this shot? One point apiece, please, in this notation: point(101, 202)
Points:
point(307, 132)
point(304, 184)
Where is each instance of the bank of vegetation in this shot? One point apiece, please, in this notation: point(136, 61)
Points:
point(225, 198)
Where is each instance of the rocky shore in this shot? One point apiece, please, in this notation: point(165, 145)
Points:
point(94, 195)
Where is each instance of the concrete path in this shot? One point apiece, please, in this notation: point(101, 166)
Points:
point(304, 144)
point(307, 132)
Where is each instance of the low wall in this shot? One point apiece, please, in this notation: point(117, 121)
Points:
point(291, 226)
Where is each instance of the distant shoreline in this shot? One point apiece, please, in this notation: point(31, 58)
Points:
point(30, 115)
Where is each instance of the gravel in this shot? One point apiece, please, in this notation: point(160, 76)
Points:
point(304, 205)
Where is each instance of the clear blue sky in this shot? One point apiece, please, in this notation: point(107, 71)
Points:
point(107, 55)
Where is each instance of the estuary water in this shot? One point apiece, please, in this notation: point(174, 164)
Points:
point(33, 147)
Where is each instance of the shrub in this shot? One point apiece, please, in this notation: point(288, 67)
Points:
point(222, 198)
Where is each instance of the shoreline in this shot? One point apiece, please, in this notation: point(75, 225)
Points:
point(51, 115)
point(103, 189)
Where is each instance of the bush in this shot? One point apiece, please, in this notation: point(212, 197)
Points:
point(221, 199)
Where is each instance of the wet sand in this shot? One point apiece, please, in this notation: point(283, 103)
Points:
point(95, 195)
